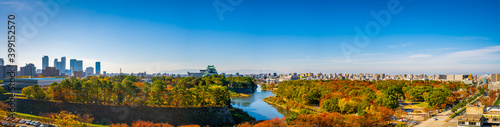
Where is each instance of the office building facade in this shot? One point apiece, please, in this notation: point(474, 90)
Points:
point(89, 71)
point(75, 65)
point(50, 72)
point(28, 70)
point(45, 62)
point(97, 68)
point(62, 64)
point(5, 69)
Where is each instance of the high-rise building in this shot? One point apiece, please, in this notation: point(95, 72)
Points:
point(97, 68)
point(60, 65)
point(89, 71)
point(63, 64)
point(72, 65)
point(75, 65)
point(45, 62)
point(1, 61)
point(79, 65)
point(56, 64)
point(28, 70)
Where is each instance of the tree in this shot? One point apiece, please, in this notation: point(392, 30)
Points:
point(220, 95)
point(390, 97)
point(155, 93)
point(66, 119)
point(275, 122)
point(437, 96)
point(347, 106)
point(388, 100)
point(35, 92)
point(331, 105)
point(2, 91)
point(416, 93)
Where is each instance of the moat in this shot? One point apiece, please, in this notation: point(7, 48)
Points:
point(257, 108)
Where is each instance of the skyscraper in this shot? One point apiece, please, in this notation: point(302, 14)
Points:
point(56, 64)
point(72, 65)
point(79, 65)
point(63, 64)
point(97, 68)
point(1, 61)
point(75, 65)
point(45, 62)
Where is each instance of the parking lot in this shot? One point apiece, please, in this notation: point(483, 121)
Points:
point(18, 122)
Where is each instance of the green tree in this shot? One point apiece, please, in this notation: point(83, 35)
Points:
point(437, 96)
point(35, 92)
point(390, 97)
point(2, 90)
point(156, 92)
point(416, 93)
point(331, 105)
point(220, 95)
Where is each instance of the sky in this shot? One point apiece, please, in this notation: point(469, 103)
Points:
point(260, 36)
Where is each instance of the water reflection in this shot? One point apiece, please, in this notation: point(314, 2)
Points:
point(257, 108)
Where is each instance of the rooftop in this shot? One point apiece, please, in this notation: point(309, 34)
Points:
point(33, 79)
point(471, 117)
point(37, 78)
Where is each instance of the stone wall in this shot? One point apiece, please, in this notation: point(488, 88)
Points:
point(244, 90)
point(105, 114)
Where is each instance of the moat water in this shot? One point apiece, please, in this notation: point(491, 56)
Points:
point(257, 108)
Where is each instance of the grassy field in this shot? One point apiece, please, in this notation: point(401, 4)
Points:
point(40, 118)
point(422, 105)
point(415, 105)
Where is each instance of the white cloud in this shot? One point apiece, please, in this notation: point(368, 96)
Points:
point(475, 53)
point(484, 60)
point(401, 45)
point(420, 56)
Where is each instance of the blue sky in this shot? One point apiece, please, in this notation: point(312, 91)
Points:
point(425, 36)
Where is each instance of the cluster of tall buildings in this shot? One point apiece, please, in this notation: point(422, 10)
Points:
point(58, 69)
point(75, 67)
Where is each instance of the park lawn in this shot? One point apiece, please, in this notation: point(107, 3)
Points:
point(497, 102)
point(422, 105)
point(39, 118)
point(414, 105)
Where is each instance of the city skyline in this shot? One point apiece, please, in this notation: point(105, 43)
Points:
point(300, 36)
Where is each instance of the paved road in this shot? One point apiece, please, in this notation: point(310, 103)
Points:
point(440, 122)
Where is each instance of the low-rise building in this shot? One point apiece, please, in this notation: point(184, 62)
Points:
point(470, 120)
point(25, 82)
point(50, 72)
